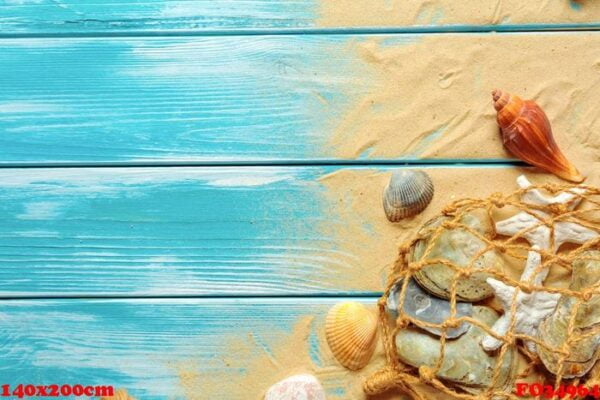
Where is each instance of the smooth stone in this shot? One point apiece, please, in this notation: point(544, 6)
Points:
point(465, 362)
point(421, 305)
point(297, 387)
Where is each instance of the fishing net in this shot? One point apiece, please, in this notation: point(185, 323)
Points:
point(418, 380)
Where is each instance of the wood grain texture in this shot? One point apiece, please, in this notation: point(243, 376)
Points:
point(285, 98)
point(211, 231)
point(104, 16)
point(167, 231)
point(175, 349)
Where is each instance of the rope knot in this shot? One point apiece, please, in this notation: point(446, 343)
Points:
point(449, 209)
point(462, 273)
point(414, 267)
point(500, 247)
point(450, 225)
point(558, 208)
point(402, 323)
point(509, 338)
point(553, 188)
point(450, 323)
point(426, 374)
point(404, 249)
point(497, 200)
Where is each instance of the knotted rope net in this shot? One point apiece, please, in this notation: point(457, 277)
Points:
point(417, 381)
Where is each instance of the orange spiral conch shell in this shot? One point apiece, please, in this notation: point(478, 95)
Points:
point(527, 134)
point(351, 331)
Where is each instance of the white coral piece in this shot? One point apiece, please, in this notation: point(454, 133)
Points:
point(532, 308)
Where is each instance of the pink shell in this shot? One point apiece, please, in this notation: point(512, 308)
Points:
point(297, 387)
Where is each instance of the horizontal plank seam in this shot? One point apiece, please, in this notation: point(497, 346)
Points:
point(285, 163)
point(451, 29)
point(358, 295)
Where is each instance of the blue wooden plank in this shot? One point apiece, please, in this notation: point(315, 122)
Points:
point(284, 98)
point(76, 17)
point(176, 349)
point(212, 231)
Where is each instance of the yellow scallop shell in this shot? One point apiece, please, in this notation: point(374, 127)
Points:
point(351, 331)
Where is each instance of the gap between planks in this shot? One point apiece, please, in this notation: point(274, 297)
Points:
point(273, 163)
point(262, 297)
point(455, 29)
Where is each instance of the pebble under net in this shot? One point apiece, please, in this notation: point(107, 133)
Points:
point(412, 380)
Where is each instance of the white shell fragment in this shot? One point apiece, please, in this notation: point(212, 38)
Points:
point(564, 232)
point(554, 331)
point(297, 387)
point(422, 306)
point(408, 193)
point(533, 308)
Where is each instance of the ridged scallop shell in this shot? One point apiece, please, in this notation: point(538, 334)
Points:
point(408, 193)
point(554, 331)
point(527, 134)
point(459, 247)
point(351, 331)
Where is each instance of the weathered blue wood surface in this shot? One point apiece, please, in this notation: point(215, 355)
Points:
point(274, 98)
point(147, 16)
point(232, 99)
point(207, 231)
point(161, 348)
point(227, 231)
point(166, 231)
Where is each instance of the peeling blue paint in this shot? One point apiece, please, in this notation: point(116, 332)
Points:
point(575, 5)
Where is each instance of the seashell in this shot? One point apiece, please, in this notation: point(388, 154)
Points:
point(424, 307)
point(527, 134)
point(465, 362)
point(408, 193)
point(120, 394)
point(351, 331)
point(459, 247)
point(554, 330)
point(304, 386)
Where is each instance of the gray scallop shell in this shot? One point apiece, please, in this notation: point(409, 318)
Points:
point(408, 193)
point(465, 363)
point(554, 330)
point(424, 307)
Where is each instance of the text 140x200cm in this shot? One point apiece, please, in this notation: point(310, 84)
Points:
point(28, 390)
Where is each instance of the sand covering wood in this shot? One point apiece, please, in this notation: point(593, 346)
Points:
point(429, 96)
point(354, 196)
point(402, 13)
point(253, 364)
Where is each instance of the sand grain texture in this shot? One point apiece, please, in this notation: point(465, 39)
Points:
point(430, 95)
point(399, 13)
